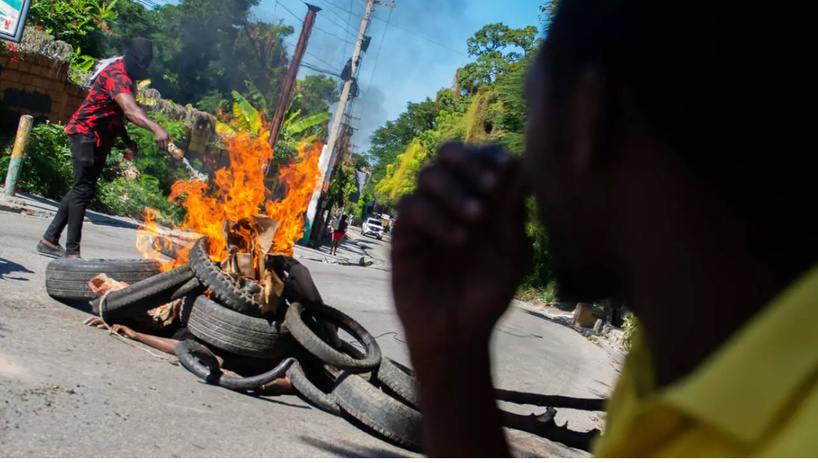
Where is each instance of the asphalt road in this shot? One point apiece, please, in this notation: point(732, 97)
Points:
point(67, 390)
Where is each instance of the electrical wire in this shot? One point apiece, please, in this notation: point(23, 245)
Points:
point(333, 35)
point(301, 21)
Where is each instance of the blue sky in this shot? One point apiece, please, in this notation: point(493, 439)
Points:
point(409, 59)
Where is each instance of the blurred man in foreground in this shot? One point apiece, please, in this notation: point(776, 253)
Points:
point(669, 152)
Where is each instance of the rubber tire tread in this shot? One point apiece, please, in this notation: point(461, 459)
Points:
point(224, 288)
point(236, 333)
point(379, 412)
point(68, 279)
point(392, 377)
point(310, 392)
point(144, 295)
point(317, 347)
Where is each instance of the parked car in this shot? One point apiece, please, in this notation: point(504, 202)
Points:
point(372, 227)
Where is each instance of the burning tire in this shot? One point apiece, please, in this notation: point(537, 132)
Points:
point(239, 334)
point(68, 279)
point(377, 411)
point(224, 288)
point(316, 346)
point(144, 295)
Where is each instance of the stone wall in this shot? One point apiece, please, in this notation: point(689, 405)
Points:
point(38, 85)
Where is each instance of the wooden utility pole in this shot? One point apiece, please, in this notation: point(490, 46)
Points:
point(289, 81)
point(328, 158)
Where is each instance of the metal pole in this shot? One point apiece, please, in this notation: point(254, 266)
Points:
point(326, 164)
point(17, 154)
point(289, 81)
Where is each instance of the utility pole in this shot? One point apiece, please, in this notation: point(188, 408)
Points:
point(289, 81)
point(326, 162)
point(318, 224)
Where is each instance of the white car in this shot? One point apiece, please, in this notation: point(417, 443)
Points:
point(372, 227)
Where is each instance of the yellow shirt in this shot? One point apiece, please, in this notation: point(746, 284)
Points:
point(756, 396)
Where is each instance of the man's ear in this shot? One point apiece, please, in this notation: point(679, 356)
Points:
point(587, 124)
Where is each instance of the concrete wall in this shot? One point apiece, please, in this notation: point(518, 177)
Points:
point(38, 85)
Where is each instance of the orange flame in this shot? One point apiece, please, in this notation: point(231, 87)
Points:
point(156, 249)
point(237, 192)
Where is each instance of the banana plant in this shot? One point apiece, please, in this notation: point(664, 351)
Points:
point(246, 118)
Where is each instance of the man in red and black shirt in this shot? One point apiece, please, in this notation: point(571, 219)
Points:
point(92, 132)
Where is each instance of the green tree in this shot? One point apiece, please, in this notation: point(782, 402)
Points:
point(81, 23)
point(498, 50)
point(315, 94)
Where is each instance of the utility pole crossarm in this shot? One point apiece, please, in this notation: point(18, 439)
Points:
point(390, 5)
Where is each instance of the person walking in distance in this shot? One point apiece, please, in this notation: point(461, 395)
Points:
point(92, 131)
point(338, 235)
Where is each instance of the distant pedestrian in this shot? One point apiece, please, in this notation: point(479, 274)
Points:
point(338, 235)
point(92, 132)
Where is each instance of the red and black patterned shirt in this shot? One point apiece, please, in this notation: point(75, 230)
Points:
point(100, 115)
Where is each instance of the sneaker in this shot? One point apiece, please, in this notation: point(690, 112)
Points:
point(54, 252)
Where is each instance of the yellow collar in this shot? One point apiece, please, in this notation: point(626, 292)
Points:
point(743, 387)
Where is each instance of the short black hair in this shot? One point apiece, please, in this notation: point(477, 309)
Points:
point(728, 87)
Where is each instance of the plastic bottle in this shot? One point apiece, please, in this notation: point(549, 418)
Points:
point(175, 151)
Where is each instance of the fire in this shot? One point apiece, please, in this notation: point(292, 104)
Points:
point(237, 192)
point(158, 249)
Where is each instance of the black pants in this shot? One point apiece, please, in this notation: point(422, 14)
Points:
point(88, 160)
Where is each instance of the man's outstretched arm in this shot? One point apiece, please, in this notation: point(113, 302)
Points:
point(139, 117)
point(459, 252)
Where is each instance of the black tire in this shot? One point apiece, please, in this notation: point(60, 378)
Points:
point(400, 381)
point(67, 279)
point(317, 347)
point(239, 334)
point(202, 363)
point(224, 288)
point(311, 393)
point(142, 296)
point(384, 415)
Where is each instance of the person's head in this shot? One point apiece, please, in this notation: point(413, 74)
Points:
point(344, 217)
point(138, 58)
point(643, 112)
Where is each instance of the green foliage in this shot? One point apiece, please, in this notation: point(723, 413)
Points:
point(341, 186)
point(490, 108)
point(403, 178)
point(80, 23)
point(629, 326)
point(47, 171)
point(315, 94)
point(131, 197)
point(498, 50)
point(550, 292)
point(47, 165)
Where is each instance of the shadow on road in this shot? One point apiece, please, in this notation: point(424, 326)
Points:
point(95, 218)
point(7, 267)
point(544, 317)
point(350, 450)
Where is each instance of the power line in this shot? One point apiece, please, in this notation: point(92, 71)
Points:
point(401, 28)
point(321, 70)
point(301, 21)
point(330, 9)
point(333, 35)
point(331, 21)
